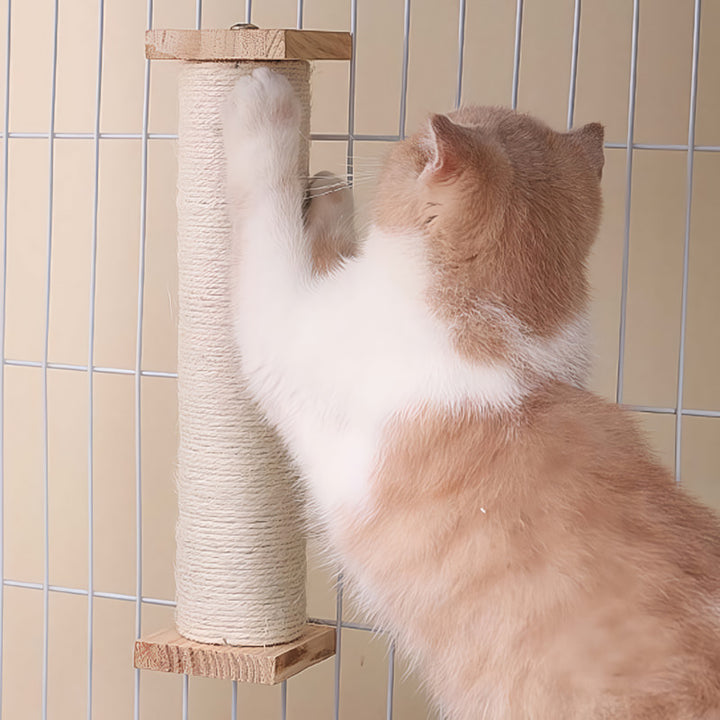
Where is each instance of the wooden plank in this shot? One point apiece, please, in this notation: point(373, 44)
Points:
point(247, 44)
point(167, 651)
point(318, 45)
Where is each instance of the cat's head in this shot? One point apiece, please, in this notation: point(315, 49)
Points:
point(506, 210)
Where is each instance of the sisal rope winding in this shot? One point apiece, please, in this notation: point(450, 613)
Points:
point(240, 562)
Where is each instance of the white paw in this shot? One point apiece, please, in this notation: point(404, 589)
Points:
point(262, 100)
point(262, 128)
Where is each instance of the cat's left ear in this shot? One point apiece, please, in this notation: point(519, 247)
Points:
point(445, 142)
point(591, 137)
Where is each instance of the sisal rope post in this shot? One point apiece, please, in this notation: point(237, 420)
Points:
point(240, 562)
point(240, 559)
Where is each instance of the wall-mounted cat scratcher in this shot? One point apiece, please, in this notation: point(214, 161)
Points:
point(240, 563)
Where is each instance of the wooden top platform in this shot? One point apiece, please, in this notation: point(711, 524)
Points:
point(247, 44)
point(168, 651)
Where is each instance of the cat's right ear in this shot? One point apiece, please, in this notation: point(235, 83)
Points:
point(444, 141)
point(591, 137)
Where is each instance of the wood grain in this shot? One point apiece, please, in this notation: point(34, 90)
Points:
point(167, 651)
point(247, 44)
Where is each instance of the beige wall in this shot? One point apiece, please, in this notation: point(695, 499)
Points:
point(651, 362)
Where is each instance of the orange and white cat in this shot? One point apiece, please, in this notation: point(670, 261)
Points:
point(511, 530)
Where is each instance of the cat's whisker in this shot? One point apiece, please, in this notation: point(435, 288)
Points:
point(313, 195)
point(342, 177)
point(328, 186)
point(323, 186)
point(319, 190)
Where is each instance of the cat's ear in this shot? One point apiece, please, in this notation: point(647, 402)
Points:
point(591, 138)
point(445, 141)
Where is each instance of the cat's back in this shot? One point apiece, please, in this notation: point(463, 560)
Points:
point(547, 545)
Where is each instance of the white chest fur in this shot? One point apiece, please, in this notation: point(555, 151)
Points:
point(352, 351)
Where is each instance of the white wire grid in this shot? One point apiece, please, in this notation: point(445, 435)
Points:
point(679, 410)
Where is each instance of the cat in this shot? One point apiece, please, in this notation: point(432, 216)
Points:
point(508, 528)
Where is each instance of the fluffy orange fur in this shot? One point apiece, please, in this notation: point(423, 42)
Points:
point(540, 564)
point(534, 562)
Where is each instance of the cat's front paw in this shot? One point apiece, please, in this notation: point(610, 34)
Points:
point(263, 101)
point(262, 129)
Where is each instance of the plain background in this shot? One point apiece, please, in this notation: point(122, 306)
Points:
point(657, 220)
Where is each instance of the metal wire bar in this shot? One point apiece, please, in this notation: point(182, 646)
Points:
point(461, 52)
point(90, 136)
point(404, 77)
point(248, 11)
point(338, 645)
point(84, 368)
point(300, 14)
point(83, 591)
point(343, 137)
point(516, 56)
point(573, 65)
point(650, 409)
point(138, 359)
point(91, 355)
point(143, 373)
point(234, 701)
point(349, 165)
point(686, 242)
point(283, 700)
point(347, 624)
point(628, 198)
point(673, 411)
point(160, 601)
point(701, 413)
point(46, 345)
point(338, 137)
point(3, 298)
point(350, 170)
point(391, 682)
point(185, 697)
point(651, 146)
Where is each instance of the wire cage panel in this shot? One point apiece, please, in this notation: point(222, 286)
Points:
point(88, 310)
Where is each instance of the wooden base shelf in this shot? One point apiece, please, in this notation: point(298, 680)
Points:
point(167, 651)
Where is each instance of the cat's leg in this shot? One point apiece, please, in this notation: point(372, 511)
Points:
point(265, 201)
point(329, 222)
point(306, 342)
